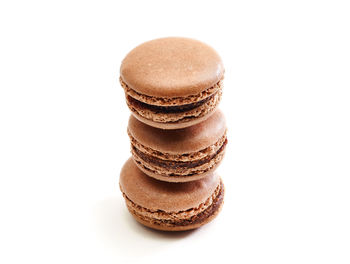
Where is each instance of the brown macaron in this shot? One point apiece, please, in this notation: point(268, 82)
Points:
point(172, 82)
point(170, 206)
point(179, 155)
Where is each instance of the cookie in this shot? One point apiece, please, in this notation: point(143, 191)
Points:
point(179, 155)
point(170, 206)
point(172, 83)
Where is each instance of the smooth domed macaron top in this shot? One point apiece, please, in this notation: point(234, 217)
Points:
point(171, 67)
point(158, 195)
point(179, 141)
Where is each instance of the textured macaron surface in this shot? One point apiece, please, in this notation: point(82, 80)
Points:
point(182, 220)
point(179, 141)
point(173, 82)
point(169, 197)
point(178, 155)
point(174, 117)
point(170, 206)
point(171, 67)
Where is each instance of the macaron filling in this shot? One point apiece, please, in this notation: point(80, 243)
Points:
point(169, 164)
point(178, 165)
point(200, 110)
point(192, 216)
point(171, 101)
point(176, 109)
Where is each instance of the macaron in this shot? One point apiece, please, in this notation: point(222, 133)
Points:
point(179, 155)
point(170, 206)
point(173, 82)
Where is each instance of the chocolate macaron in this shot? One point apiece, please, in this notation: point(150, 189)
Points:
point(179, 155)
point(170, 206)
point(172, 82)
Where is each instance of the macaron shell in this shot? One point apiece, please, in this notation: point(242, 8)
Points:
point(179, 141)
point(177, 179)
point(170, 126)
point(171, 67)
point(159, 195)
point(172, 120)
point(165, 227)
point(171, 101)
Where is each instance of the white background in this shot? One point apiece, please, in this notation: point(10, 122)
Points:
point(63, 134)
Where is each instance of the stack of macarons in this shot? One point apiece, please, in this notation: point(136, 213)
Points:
point(178, 136)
